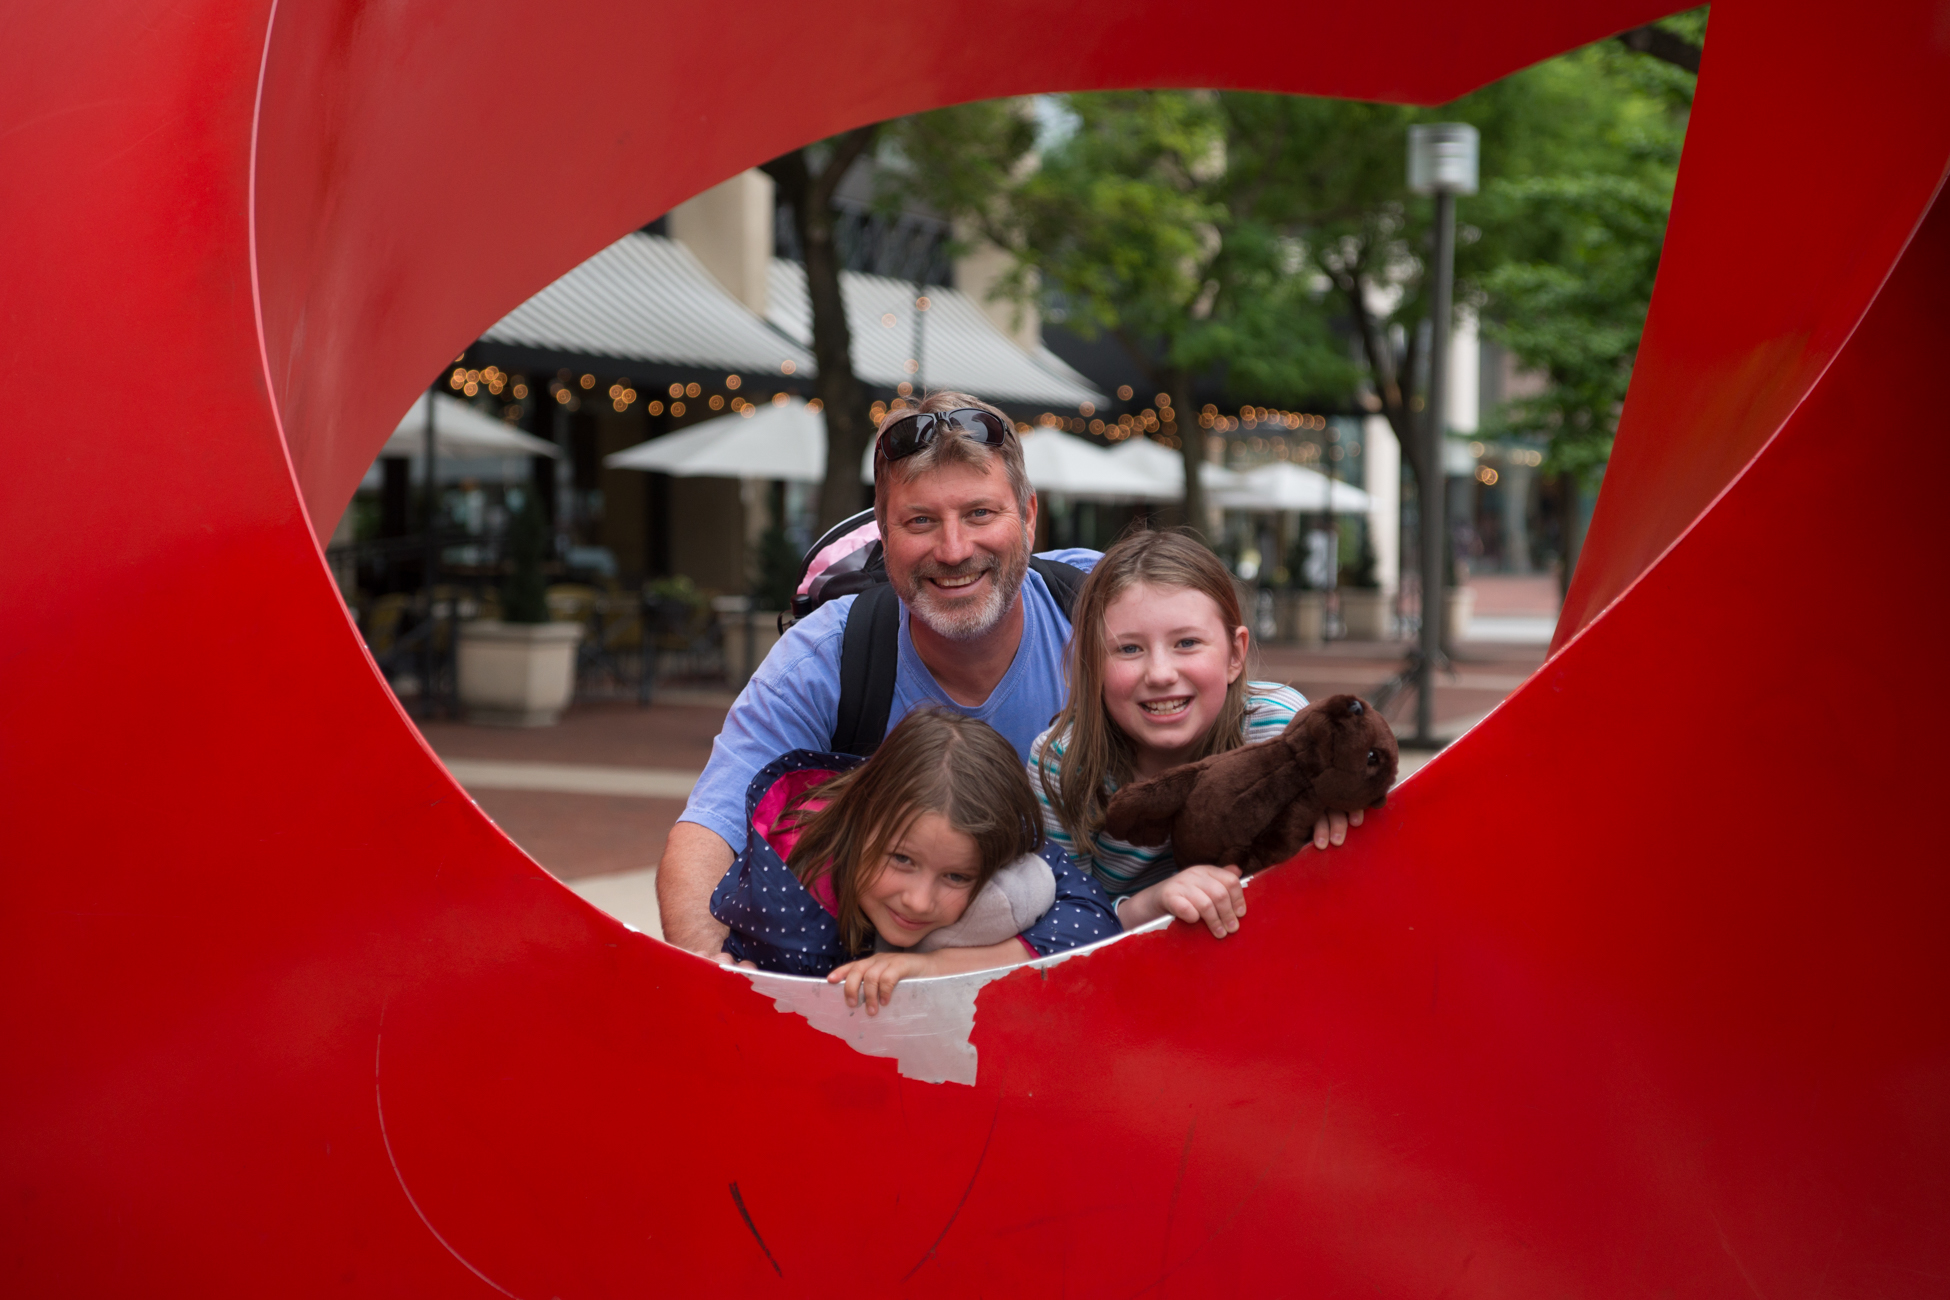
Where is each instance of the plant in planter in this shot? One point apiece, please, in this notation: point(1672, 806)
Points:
point(777, 564)
point(1364, 605)
point(519, 670)
point(750, 636)
point(1299, 608)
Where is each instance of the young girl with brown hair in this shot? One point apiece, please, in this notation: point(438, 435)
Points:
point(926, 859)
point(1157, 678)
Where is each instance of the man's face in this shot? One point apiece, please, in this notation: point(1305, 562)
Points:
point(956, 547)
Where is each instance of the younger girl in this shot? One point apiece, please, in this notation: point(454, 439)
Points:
point(927, 852)
point(1157, 678)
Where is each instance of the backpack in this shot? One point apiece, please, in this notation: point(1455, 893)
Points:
point(847, 561)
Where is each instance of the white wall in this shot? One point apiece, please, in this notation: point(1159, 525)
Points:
point(1465, 374)
point(1381, 464)
point(729, 229)
point(976, 274)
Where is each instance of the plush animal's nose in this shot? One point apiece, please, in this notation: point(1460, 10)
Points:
point(1354, 709)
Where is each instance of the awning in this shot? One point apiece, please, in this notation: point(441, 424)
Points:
point(1166, 467)
point(774, 440)
point(647, 298)
point(960, 349)
point(460, 431)
point(1283, 485)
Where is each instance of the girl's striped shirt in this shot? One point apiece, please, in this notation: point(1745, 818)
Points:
point(1123, 869)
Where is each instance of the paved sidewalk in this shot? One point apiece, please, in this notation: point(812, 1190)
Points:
point(593, 798)
point(1513, 608)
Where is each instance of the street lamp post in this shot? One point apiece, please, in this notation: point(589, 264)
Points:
point(1441, 162)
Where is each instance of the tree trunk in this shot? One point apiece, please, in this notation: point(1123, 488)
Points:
point(843, 399)
point(1394, 388)
point(1668, 47)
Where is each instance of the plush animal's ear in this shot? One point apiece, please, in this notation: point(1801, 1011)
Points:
point(1311, 734)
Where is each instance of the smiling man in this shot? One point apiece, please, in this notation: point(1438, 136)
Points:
point(980, 633)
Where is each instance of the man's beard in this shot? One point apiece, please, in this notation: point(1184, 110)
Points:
point(966, 621)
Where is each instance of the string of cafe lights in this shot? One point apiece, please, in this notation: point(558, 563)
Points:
point(571, 391)
point(1157, 421)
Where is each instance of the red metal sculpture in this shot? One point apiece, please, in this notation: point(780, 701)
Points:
point(1640, 989)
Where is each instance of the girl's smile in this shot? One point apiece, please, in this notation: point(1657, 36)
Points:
point(1168, 659)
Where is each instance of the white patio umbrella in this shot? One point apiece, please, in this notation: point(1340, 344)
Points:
point(461, 432)
point(774, 440)
point(1166, 467)
point(1283, 485)
point(1069, 466)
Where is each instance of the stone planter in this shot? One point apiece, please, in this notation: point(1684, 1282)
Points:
point(748, 638)
point(1300, 616)
point(1369, 613)
point(516, 674)
point(1458, 603)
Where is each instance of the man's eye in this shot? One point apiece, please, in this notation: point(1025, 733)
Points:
point(982, 513)
point(919, 521)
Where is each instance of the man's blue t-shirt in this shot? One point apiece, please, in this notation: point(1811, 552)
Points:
point(793, 700)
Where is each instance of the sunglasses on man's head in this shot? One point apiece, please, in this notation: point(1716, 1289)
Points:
point(911, 433)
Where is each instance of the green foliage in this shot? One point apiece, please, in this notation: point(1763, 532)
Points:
point(1576, 318)
point(1127, 225)
point(679, 588)
point(524, 598)
point(1558, 253)
point(777, 570)
point(1580, 251)
point(1254, 233)
point(962, 160)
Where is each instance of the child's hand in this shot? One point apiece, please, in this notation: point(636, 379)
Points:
point(1209, 894)
point(1332, 828)
point(871, 980)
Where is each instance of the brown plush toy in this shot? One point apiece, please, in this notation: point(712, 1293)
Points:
point(1254, 806)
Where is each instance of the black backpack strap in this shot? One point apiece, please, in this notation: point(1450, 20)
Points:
point(869, 662)
point(870, 654)
point(1063, 581)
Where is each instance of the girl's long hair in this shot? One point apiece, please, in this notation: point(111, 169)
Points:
point(935, 761)
point(1097, 755)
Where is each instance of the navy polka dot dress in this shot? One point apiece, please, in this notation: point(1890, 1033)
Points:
point(778, 925)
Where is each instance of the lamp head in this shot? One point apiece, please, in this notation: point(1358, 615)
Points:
point(1442, 158)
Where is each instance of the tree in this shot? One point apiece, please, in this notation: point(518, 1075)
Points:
point(1678, 40)
point(1579, 255)
point(807, 180)
point(1126, 220)
point(1200, 231)
point(1557, 253)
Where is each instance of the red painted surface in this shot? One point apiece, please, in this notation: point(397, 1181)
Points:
point(1638, 990)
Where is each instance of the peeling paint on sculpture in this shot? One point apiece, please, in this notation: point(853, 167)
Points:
point(927, 1024)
